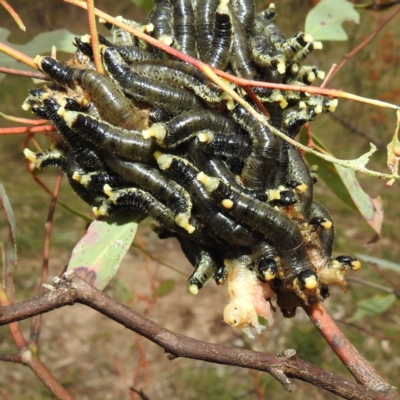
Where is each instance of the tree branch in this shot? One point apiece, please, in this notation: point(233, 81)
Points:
point(71, 289)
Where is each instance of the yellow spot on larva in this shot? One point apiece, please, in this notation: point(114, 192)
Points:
point(228, 204)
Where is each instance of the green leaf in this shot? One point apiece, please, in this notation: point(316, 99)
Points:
point(374, 306)
point(42, 43)
point(324, 21)
point(345, 185)
point(165, 287)
point(145, 5)
point(97, 256)
point(9, 213)
point(379, 262)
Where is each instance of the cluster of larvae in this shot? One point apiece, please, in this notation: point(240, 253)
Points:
point(155, 135)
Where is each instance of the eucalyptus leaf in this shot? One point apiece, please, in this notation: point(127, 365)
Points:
point(97, 256)
point(373, 306)
point(324, 21)
point(344, 184)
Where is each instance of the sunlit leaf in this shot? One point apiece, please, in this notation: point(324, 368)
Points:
point(40, 44)
point(97, 256)
point(165, 287)
point(8, 211)
point(379, 262)
point(324, 21)
point(345, 185)
point(374, 306)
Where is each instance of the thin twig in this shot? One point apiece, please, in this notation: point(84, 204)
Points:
point(94, 38)
point(25, 74)
point(19, 130)
point(364, 43)
point(13, 14)
point(17, 55)
point(37, 320)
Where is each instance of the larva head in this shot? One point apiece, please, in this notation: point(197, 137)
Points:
point(349, 262)
point(308, 279)
point(235, 314)
point(267, 268)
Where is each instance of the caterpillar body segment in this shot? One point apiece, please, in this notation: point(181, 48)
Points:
point(125, 143)
point(220, 50)
point(137, 199)
point(109, 99)
point(265, 151)
point(93, 198)
point(184, 126)
point(49, 158)
point(244, 11)
point(240, 59)
point(238, 146)
point(86, 154)
point(224, 227)
point(161, 17)
point(153, 181)
point(158, 94)
point(301, 182)
point(179, 74)
point(203, 273)
point(132, 54)
point(184, 26)
point(204, 22)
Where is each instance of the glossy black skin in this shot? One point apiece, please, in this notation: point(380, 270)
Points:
point(220, 50)
point(109, 99)
point(93, 198)
point(151, 180)
point(326, 236)
point(49, 159)
point(300, 173)
point(86, 154)
point(186, 125)
point(283, 233)
point(162, 18)
point(224, 227)
point(125, 143)
point(204, 22)
point(158, 94)
point(240, 59)
point(184, 26)
point(259, 165)
point(177, 73)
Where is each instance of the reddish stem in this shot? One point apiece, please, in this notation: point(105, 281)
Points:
point(18, 130)
point(354, 362)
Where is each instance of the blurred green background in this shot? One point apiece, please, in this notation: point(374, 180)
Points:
point(96, 359)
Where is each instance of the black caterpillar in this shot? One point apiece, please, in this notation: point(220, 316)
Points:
point(155, 134)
